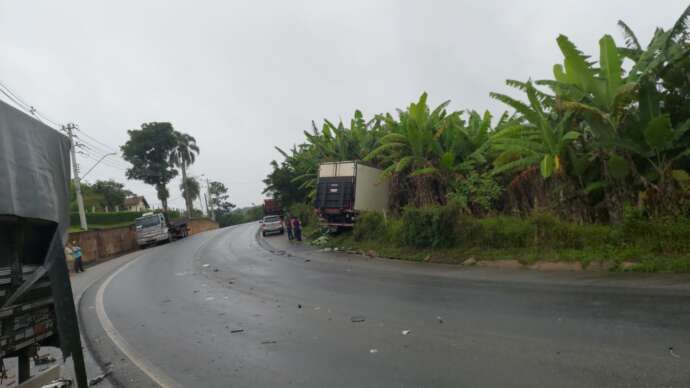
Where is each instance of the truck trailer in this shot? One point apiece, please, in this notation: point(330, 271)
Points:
point(346, 188)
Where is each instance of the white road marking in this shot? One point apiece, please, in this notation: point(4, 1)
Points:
point(135, 357)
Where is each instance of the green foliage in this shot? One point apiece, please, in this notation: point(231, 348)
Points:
point(432, 226)
point(115, 218)
point(182, 155)
point(148, 151)
point(593, 137)
point(219, 198)
point(369, 225)
point(304, 213)
point(239, 216)
point(190, 188)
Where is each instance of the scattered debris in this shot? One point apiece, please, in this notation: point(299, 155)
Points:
point(336, 249)
point(98, 378)
point(209, 298)
point(280, 253)
point(469, 262)
point(59, 383)
point(215, 270)
point(226, 297)
point(289, 255)
point(357, 318)
point(327, 249)
point(167, 300)
point(206, 265)
point(231, 282)
point(406, 332)
point(672, 353)
point(317, 308)
point(195, 291)
point(268, 342)
point(235, 331)
point(373, 351)
point(44, 359)
point(307, 260)
point(439, 319)
point(299, 306)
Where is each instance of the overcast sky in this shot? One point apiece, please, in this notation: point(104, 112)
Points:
point(243, 76)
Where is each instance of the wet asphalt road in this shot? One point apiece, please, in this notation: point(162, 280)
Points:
point(179, 304)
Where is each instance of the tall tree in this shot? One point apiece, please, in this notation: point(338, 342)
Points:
point(112, 192)
point(148, 150)
point(190, 189)
point(183, 155)
point(219, 198)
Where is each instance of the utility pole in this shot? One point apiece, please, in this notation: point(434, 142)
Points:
point(210, 200)
point(75, 169)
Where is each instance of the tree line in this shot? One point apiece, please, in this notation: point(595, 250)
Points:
point(158, 153)
point(597, 137)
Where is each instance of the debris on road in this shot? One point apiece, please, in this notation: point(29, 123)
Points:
point(268, 342)
point(235, 331)
point(307, 260)
point(59, 383)
point(317, 308)
point(299, 306)
point(357, 318)
point(209, 298)
point(195, 291)
point(44, 359)
point(215, 270)
point(672, 353)
point(167, 300)
point(406, 332)
point(206, 265)
point(373, 351)
point(98, 379)
point(439, 319)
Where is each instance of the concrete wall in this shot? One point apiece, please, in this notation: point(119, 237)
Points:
point(105, 243)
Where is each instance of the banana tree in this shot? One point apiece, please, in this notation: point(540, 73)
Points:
point(539, 139)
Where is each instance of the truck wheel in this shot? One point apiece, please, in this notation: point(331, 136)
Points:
point(263, 234)
point(282, 231)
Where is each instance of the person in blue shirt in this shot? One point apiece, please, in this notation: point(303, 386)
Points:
point(76, 253)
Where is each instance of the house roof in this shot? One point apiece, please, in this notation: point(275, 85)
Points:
point(133, 201)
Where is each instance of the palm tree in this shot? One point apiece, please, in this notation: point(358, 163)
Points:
point(190, 189)
point(182, 156)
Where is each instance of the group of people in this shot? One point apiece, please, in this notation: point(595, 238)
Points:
point(293, 228)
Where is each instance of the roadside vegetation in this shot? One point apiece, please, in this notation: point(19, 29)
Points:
point(591, 164)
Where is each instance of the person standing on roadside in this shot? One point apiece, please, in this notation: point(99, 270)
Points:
point(288, 227)
point(76, 253)
point(297, 228)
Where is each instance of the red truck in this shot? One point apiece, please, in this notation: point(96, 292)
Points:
point(272, 207)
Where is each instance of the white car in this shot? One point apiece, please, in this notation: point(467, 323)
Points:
point(272, 224)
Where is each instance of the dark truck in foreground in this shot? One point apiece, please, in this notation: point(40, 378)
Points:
point(36, 303)
point(346, 188)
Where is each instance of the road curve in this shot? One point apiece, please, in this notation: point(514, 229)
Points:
point(220, 309)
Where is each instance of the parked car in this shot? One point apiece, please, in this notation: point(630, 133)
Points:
point(272, 224)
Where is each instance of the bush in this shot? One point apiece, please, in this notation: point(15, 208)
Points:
point(114, 218)
point(304, 213)
point(432, 226)
point(369, 226)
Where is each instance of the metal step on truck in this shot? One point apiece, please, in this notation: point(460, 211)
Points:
point(344, 189)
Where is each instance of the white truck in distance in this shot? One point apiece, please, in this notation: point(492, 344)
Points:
point(152, 229)
point(345, 188)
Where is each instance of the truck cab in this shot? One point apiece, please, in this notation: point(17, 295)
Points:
point(152, 228)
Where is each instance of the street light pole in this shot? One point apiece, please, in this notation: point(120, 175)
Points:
point(210, 200)
point(75, 169)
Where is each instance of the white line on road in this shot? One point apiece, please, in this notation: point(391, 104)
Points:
point(137, 359)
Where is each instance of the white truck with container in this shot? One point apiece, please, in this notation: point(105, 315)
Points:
point(346, 188)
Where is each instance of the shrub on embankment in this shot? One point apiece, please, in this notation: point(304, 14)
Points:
point(451, 236)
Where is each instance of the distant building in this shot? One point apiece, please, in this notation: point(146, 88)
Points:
point(136, 204)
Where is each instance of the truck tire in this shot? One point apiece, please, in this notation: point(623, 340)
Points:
point(282, 232)
point(263, 234)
